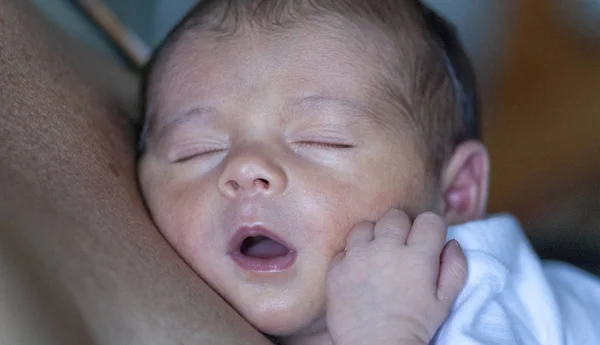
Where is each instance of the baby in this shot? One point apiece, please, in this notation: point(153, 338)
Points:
point(281, 140)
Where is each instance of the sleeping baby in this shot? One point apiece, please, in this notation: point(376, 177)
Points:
point(306, 157)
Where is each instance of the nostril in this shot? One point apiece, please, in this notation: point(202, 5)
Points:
point(234, 185)
point(263, 183)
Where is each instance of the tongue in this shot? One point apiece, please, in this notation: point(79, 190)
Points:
point(263, 247)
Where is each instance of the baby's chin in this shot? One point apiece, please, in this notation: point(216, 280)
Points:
point(283, 320)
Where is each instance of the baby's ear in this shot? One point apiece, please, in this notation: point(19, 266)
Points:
point(465, 183)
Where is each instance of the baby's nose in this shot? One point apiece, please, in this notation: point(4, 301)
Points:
point(249, 174)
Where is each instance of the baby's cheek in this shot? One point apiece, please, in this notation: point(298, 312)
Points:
point(379, 203)
point(366, 208)
point(174, 207)
point(336, 243)
point(342, 215)
point(334, 239)
point(182, 220)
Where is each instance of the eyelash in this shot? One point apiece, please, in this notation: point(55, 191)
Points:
point(186, 157)
point(325, 144)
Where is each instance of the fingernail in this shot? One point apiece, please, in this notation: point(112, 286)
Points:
point(455, 245)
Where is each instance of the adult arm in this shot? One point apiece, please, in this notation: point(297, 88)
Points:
point(80, 261)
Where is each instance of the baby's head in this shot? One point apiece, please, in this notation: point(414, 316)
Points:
point(273, 127)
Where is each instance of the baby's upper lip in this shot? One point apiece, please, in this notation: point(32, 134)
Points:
point(245, 231)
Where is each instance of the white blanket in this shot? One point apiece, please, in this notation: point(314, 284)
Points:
point(512, 297)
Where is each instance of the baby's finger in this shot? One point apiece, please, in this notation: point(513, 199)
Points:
point(394, 225)
point(428, 233)
point(361, 233)
point(335, 271)
point(453, 273)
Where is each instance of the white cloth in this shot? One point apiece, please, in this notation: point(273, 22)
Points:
point(512, 297)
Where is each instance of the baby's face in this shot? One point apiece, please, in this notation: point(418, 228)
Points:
point(263, 153)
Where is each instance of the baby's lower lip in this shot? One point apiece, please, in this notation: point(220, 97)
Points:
point(274, 264)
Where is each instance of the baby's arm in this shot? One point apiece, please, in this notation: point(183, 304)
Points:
point(395, 283)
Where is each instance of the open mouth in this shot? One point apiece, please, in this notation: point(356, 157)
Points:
point(262, 247)
point(257, 249)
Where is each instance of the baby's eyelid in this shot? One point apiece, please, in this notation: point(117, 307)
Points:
point(326, 138)
point(326, 143)
point(186, 151)
point(185, 156)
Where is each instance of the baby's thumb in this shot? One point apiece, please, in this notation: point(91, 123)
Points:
point(453, 273)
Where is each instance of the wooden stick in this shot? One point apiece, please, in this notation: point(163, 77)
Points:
point(127, 40)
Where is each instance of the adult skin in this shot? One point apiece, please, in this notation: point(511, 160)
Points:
point(80, 260)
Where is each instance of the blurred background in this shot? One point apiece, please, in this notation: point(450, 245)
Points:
point(538, 63)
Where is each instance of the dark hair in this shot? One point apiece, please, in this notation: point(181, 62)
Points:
point(438, 94)
point(460, 70)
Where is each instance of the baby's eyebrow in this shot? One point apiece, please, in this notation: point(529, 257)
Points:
point(355, 108)
point(208, 112)
point(195, 113)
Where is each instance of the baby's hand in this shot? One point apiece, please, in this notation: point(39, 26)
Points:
point(394, 284)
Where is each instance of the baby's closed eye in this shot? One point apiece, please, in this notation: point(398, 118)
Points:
point(186, 154)
point(183, 150)
point(323, 137)
point(325, 144)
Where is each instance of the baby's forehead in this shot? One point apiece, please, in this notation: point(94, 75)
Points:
point(290, 65)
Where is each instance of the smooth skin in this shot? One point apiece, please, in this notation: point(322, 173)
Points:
point(271, 129)
point(80, 261)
